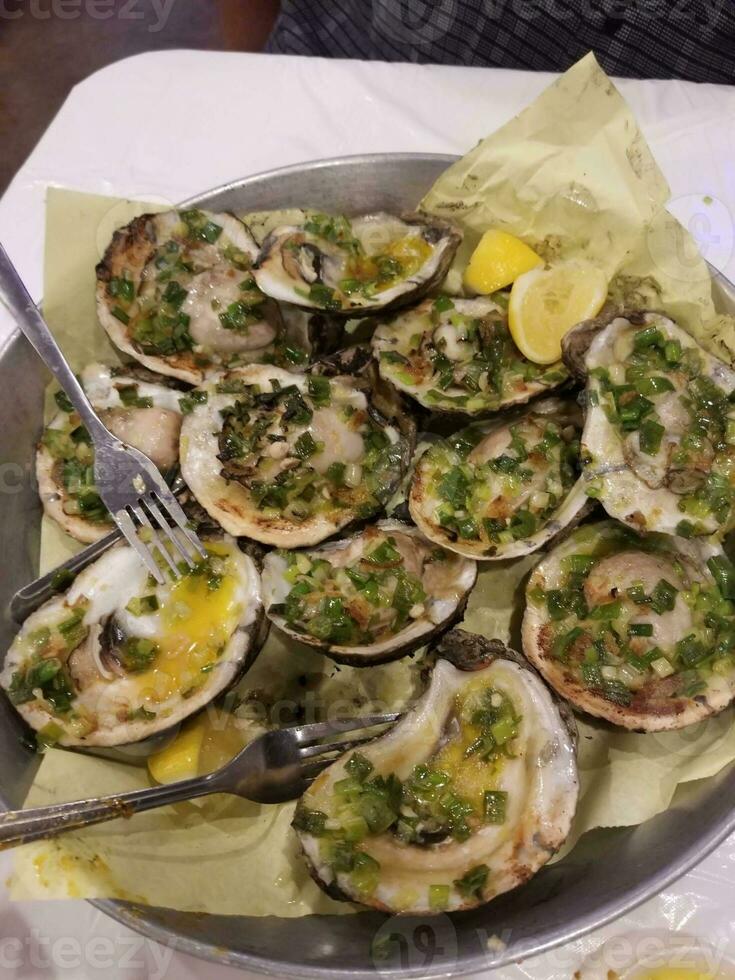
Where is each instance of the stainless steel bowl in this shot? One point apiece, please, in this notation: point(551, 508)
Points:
point(608, 873)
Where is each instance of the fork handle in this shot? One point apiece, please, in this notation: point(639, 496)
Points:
point(33, 325)
point(43, 822)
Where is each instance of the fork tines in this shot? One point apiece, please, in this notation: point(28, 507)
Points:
point(149, 513)
point(314, 748)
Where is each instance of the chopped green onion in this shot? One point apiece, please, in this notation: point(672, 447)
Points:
point(119, 313)
point(663, 597)
point(495, 805)
point(640, 629)
point(723, 572)
point(141, 605)
point(439, 897)
point(62, 400)
point(472, 884)
point(609, 610)
point(650, 436)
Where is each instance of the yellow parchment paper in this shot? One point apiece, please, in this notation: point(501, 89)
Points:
point(572, 175)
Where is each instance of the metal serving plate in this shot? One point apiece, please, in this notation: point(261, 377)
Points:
point(607, 874)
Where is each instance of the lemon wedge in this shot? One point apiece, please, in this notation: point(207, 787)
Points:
point(497, 261)
point(180, 759)
point(546, 302)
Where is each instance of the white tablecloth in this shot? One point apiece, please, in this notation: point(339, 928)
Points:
point(165, 126)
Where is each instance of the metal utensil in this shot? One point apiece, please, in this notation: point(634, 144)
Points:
point(275, 767)
point(131, 487)
point(33, 595)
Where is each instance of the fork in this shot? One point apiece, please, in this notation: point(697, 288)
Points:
point(275, 767)
point(131, 487)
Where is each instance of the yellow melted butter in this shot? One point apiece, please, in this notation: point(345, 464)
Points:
point(412, 252)
point(196, 623)
point(470, 775)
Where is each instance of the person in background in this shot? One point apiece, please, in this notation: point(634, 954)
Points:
point(686, 39)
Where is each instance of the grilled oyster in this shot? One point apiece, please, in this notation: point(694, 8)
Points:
point(116, 659)
point(658, 447)
point(457, 355)
point(143, 413)
point(349, 266)
point(369, 598)
point(465, 798)
point(175, 291)
point(501, 489)
point(634, 629)
point(289, 459)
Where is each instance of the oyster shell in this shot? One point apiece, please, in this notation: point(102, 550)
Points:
point(116, 659)
point(635, 629)
point(457, 355)
point(351, 266)
point(144, 413)
point(440, 814)
point(176, 292)
point(289, 459)
point(375, 596)
point(658, 447)
point(502, 488)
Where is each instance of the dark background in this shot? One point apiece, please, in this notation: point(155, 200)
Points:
point(43, 55)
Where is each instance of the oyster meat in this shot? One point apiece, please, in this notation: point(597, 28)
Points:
point(375, 596)
point(117, 658)
point(289, 459)
point(658, 447)
point(351, 266)
point(457, 355)
point(500, 489)
point(145, 414)
point(636, 629)
point(471, 792)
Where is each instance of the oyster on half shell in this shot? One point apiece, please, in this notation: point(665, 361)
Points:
point(117, 658)
point(456, 355)
point(351, 266)
point(471, 792)
point(374, 596)
point(502, 488)
point(658, 447)
point(636, 629)
point(289, 459)
point(143, 413)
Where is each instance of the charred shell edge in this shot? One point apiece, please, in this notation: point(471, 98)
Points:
point(471, 651)
point(576, 342)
